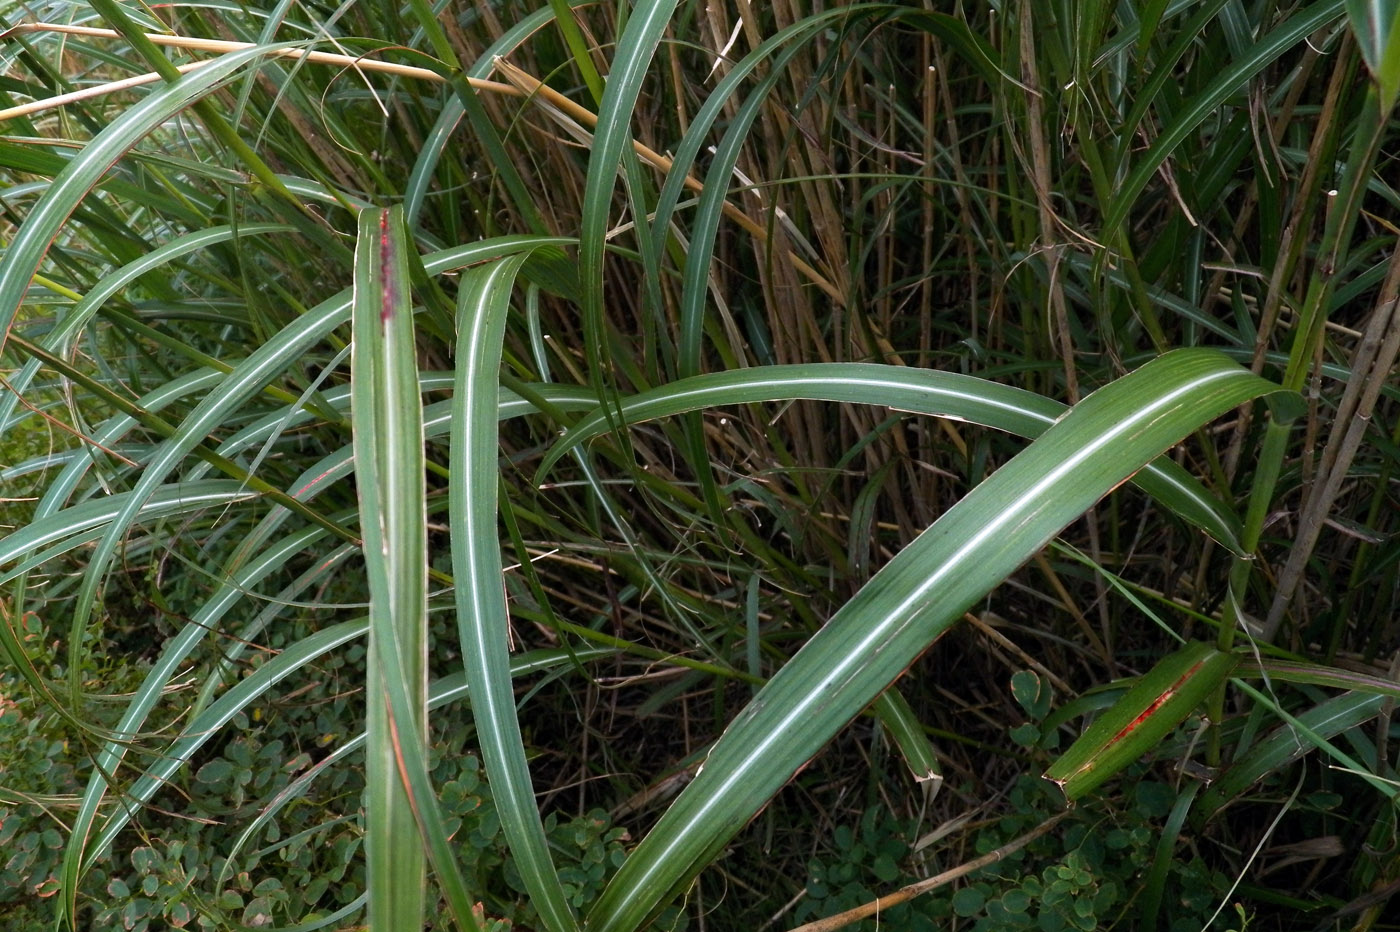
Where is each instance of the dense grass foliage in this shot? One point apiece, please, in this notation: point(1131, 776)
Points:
point(431, 434)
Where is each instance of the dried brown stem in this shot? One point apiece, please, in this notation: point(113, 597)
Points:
point(904, 894)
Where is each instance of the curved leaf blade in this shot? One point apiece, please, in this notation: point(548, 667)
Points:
point(26, 252)
point(908, 604)
point(919, 391)
point(1297, 28)
point(1296, 737)
point(482, 617)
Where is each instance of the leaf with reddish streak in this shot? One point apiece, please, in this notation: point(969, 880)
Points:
point(1134, 725)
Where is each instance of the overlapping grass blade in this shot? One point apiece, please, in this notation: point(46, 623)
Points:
point(921, 391)
point(1297, 736)
point(80, 523)
point(81, 314)
point(25, 253)
point(910, 602)
point(208, 723)
point(453, 110)
point(443, 692)
point(612, 135)
point(482, 617)
point(264, 364)
point(387, 416)
point(1293, 31)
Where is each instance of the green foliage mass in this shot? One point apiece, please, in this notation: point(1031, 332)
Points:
point(302, 864)
point(693, 464)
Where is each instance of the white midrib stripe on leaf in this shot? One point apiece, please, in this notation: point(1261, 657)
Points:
point(475, 359)
point(818, 381)
point(857, 654)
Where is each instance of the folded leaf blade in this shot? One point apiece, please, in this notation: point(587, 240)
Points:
point(1136, 723)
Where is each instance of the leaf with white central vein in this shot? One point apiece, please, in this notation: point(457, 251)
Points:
point(886, 626)
point(919, 391)
point(482, 617)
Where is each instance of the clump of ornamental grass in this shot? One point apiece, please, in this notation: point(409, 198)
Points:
point(881, 407)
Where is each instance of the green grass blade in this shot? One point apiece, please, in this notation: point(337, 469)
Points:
point(1164, 859)
point(1268, 49)
point(435, 145)
point(921, 391)
point(174, 654)
point(635, 48)
point(442, 692)
point(84, 516)
point(1376, 25)
point(264, 364)
point(911, 601)
point(482, 617)
point(386, 410)
point(907, 734)
point(1316, 674)
point(67, 329)
point(208, 724)
point(1299, 735)
point(388, 440)
point(26, 251)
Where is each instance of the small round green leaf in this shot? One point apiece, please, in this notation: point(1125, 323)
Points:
point(214, 772)
point(969, 901)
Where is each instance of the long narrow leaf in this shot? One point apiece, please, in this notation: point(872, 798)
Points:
point(914, 599)
point(388, 439)
point(1290, 741)
point(26, 252)
point(1297, 28)
point(921, 391)
point(482, 618)
point(635, 48)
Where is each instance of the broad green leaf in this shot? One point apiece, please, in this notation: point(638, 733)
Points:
point(916, 597)
point(1032, 693)
point(1132, 727)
